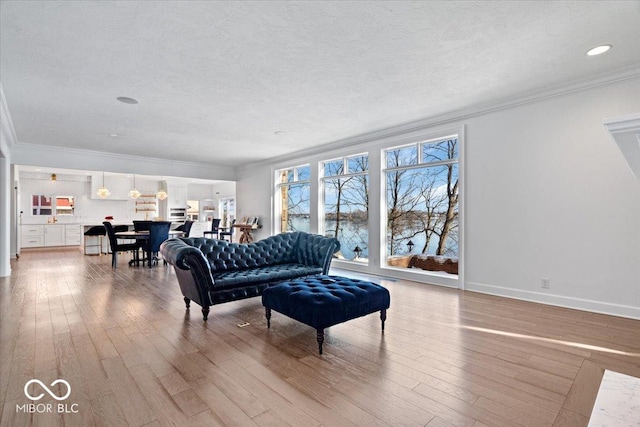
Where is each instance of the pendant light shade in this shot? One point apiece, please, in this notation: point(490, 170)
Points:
point(134, 194)
point(103, 193)
point(162, 194)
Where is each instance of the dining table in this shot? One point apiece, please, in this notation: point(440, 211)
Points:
point(142, 235)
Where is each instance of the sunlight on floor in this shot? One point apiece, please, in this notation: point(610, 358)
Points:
point(550, 340)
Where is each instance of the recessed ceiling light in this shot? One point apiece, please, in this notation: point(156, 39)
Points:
point(127, 100)
point(114, 135)
point(599, 49)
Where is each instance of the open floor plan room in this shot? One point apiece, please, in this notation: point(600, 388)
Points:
point(131, 354)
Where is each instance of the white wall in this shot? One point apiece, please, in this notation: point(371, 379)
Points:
point(254, 198)
point(548, 194)
point(8, 219)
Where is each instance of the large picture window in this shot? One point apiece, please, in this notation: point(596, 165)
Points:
point(293, 198)
point(395, 207)
point(346, 204)
point(422, 204)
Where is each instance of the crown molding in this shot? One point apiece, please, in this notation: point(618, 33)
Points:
point(550, 92)
point(625, 131)
point(9, 138)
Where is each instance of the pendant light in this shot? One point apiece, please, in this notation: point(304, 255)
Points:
point(162, 194)
point(134, 194)
point(103, 193)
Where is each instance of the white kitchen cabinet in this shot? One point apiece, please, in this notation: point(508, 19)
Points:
point(40, 235)
point(177, 197)
point(54, 235)
point(72, 235)
point(32, 236)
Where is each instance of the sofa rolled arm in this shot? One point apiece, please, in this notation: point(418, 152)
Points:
point(316, 250)
point(189, 261)
point(176, 252)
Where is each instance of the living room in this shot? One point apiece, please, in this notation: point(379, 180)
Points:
point(546, 193)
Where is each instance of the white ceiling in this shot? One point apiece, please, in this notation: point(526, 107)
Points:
point(236, 82)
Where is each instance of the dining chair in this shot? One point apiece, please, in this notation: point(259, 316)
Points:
point(139, 225)
point(185, 228)
point(228, 233)
point(118, 247)
point(215, 228)
point(158, 233)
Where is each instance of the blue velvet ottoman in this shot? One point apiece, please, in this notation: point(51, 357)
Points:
point(323, 301)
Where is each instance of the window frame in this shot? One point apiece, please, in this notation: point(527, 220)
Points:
point(322, 179)
point(278, 187)
point(375, 145)
point(420, 164)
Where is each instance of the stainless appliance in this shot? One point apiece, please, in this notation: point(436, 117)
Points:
point(177, 214)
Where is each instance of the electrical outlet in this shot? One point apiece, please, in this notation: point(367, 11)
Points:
point(545, 283)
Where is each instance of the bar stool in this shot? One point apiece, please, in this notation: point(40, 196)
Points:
point(95, 231)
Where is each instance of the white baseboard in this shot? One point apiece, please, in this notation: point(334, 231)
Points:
point(557, 300)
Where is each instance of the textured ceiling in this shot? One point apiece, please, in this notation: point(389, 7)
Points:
point(236, 82)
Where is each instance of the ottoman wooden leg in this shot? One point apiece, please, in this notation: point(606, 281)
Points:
point(187, 301)
point(205, 313)
point(320, 335)
point(267, 313)
point(383, 317)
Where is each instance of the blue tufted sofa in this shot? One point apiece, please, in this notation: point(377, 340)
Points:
point(212, 271)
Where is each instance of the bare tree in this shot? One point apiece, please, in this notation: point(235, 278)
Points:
point(451, 216)
point(401, 202)
point(417, 201)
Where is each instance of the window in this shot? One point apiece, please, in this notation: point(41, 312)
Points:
point(395, 207)
point(346, 204)
point(64, 205)
point(41, 205)
point(227, 209)
point(293, 198)
point(422, 200)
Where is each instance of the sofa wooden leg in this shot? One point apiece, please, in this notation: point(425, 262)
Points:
point(267, 313)
point(383, 317)
point(187, 301)
point(320, 336)
point(205, 313)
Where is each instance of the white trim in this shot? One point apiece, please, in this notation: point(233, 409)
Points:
point(625, 131)
point(462, 191)
point(9, 138)
point(557, 300)
point(414, 275)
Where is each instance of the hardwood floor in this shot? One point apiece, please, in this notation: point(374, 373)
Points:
point(134, 356)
